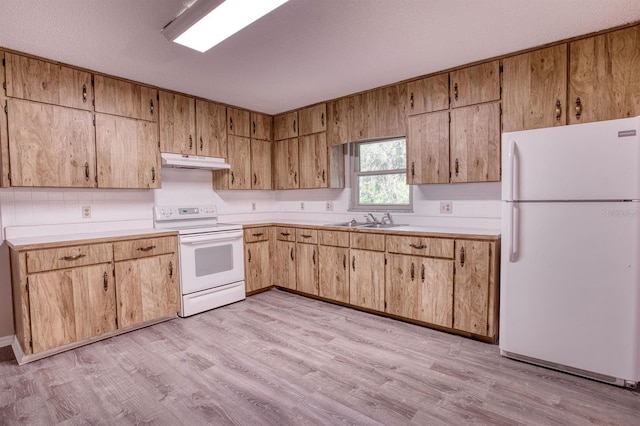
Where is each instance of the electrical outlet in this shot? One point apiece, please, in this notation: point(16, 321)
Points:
point(253, 207)
point(329, 206)
point(86, 212)
point(446, 207)
point(301, 205)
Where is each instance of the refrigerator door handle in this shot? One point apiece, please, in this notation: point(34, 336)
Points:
point(514, 241)
point(513, 153)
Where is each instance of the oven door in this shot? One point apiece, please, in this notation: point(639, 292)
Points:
point(210, 260)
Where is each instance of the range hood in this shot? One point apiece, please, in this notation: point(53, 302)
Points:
point(184, 161)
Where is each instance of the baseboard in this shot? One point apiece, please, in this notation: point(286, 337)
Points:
point(6, 341)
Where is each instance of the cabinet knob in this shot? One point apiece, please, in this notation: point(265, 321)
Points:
point(558, 110)
point(84, 93)
point(578, 108)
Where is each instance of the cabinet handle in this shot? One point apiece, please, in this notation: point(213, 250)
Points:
point(419, 247)
point(461, 256)
point(254, 127)
point(233, 178)
point(285, 234)
point(422, 272)
point(255, 179)
point(324, 177)
point(249, 255)
point(558, 110)
point(295, 178)
point(457, 166)
point(413, 271)
point(84, 93)
point(201, 144)
point(151, 106)
point(313, 257)
point(305, 236)
point(353, 263)
point(231, 123)
point(74, 257)
point(153, 174)
point(344, 261)
point(294, 126)
point(147, 248)
point(413, 170)
point(455, 91)
point(291, 254)
point(190, 142)
point(86, 171)
point(170, 269)
point(105, 281)
point(578, 108)
point(411, 100)
point(322, 119)
point(258, 234)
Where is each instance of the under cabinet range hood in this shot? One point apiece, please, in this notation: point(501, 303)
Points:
point(184, 161)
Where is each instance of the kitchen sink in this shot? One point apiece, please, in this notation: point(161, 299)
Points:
point(350, 224)
point(381, 225)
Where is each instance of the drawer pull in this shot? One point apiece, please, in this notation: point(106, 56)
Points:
point(74, 257)
point(147, 248)
point(285, 234)
point(419, 247)
point(257, 234)
point(105, 281)
point(305, 236)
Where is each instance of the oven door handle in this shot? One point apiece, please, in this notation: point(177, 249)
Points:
point(206, 239)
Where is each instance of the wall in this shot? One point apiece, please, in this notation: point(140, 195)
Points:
point(41, 210)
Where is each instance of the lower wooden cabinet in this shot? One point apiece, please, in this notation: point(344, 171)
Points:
point(284, 258)
point(366, 279)
point(307, 261)
point(334, 273)
point(257, 273)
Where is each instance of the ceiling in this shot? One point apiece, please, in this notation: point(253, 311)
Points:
point(304, 52)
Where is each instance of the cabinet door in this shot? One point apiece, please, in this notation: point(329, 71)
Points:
point(535, 89)
point(428, 94)
point(146, 289)
point(604, 76)
point(239, 151)
point(476, 84)
point(257, 267)
point(471, 297)
point(125, 99)
point(177, 123)
point(475, 143)
point(284, 264)
point(70, 305)
point(285, 164)
point(211, 129)
point(313, 119)
point(50, 145)
point(334, 273)
point(366, 279)
point(313, 161)
point(428, 148)
point(41, 81)
point(386, 116)
point(347, 119)
point(285, 126)
point(261, 126)
point(238, 122)
point(127, 152)
point(402, 289)
point(307, 268)
point(436, 298)
point(260, 164)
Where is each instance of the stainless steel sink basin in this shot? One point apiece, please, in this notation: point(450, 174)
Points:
point(350, 224)
point(380, 225)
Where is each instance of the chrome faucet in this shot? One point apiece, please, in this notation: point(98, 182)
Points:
point(386, 219)
point(370, 218)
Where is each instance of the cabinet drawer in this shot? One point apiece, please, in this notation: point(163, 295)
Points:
point(363, 241)
point(421, 246)
point(68, 257)
point(309, 236)
point(285, 234)
point(252, 235)
point(133, 249)
point(333, 238)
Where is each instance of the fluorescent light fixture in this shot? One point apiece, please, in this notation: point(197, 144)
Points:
point(208, 22)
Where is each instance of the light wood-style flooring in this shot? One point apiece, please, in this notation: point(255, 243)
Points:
point(282, 359)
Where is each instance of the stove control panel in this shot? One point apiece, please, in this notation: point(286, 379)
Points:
point(161, 213)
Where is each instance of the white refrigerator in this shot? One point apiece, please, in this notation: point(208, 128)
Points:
point(570, 282)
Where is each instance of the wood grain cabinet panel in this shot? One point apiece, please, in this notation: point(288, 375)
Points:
point(428, 148)
point(238, 122)
point(118, 97)
point(239, 157)
point(333, 238)
point(67, 257)
point(260, 164)
point(313, 119)
point(307, 236)
point(367, 241)
point(421, 246)
point(334, 273)
point(348, 119)
point(286, 164)
point(261, 125)
point(285, 126)
point(284, 262)
point(127, 153)
point(366, 279)
point(177, 123)
point(313, 161)
point(307, 268)
point(71, 305)
point(475, 143)
point(133, 249)
point(252, 235)
point(211, 129)
point(50, 145)
point(474, 85)
point(427, 94)
point(604, 76)
point(386, 116)
point(535, 89)
point(41, 81)
point(257, 266)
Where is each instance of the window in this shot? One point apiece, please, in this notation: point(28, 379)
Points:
point(379, 175)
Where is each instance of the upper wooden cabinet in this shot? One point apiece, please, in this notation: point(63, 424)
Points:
point(427, 94)
point(260, 164)
point(238, 122)
point(604, 76)
point(347, 119)
point(239, 157)
point(285, 126)
point(386, 116)
point(211, 129)
point(286, 166)
point(50, 145)
point(177, 123)
point(535, 89)
point(118, 97)
point(313, 161)
point(313, 119)
point(261, 125)
point(474, 85)
point(428, 148)
point(46, 82)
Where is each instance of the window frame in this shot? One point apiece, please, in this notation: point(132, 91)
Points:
point(354, 173)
